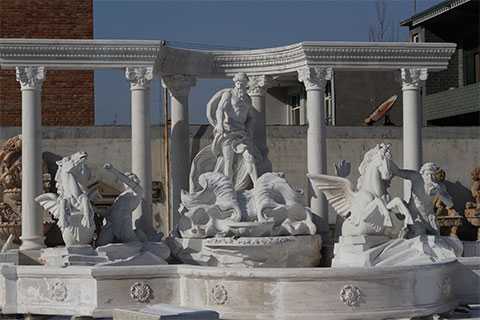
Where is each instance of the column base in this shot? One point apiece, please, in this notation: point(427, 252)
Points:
point(32, 243)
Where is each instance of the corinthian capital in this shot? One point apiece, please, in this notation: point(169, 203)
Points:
point(30, 78)
point(257, 85)
point(179, 84)
point(413, 78)
point(139, 77)
point(314, 78)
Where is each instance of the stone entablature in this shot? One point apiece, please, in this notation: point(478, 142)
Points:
point(93, 54)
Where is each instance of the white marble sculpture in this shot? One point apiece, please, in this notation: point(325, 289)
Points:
point(233, 197)
point(118, 218)
point(232, 151)
point(370, 210)
point(230, 195)
point(72, 204)
point(379, 230)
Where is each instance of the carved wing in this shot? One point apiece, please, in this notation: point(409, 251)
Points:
point(212, 106)
point(337, 190)
point(48, 201)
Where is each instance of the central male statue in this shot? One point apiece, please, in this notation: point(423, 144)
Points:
point(234, 133)
point(233, 151)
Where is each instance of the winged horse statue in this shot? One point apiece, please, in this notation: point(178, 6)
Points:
point(369, 210)
point(72, 205)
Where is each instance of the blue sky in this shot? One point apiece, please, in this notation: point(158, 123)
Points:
point(232, 24)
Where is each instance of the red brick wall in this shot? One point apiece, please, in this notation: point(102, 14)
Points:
point(67, 96)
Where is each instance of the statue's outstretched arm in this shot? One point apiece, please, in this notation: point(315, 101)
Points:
point(123, 178)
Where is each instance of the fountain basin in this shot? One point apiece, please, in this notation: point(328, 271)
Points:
point(236, 293)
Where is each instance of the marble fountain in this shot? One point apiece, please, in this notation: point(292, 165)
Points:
point(245, 245)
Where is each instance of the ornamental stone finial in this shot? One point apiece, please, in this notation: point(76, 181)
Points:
point(30, 78)
point(179, 84)
point(413, 78)
point(314, 78)
point(139, 77)
point(257, 85)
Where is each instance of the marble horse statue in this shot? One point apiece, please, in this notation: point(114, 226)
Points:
point(72, 205)
point(370, 210)
point(378, 230)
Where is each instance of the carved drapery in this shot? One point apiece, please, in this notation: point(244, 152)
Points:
point(139, 77)
point(314, 78)
point(30, 78)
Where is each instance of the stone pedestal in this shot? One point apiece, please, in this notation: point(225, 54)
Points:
point(349, 250)
point(71, 256)
point(258, 252)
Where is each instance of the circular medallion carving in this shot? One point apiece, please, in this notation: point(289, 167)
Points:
point(141, 292)
point(58, 291)
point(219, 294)
point(350, 295)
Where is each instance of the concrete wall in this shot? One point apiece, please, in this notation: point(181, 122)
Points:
point(457, 150)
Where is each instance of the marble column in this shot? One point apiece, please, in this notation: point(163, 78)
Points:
point(315, 79)
point(140, 78)
point(257, 89)
point(412, 80)
point(31, 80)
point(179, 88)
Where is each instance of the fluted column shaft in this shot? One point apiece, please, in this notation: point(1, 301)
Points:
point(179, 88)
point(31, 80)
point(412, 80)
point(140, 78)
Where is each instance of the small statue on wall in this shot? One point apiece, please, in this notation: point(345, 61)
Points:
point(118, 218)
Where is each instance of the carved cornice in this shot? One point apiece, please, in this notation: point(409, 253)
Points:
point(412, 79)
point(94, 54)
point(314, 78)
point(139, 77)
point(30, 78)
point(258, 85)
point(179, 85)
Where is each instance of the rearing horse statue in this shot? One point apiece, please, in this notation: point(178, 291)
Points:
point(369, 211)
point(72, 203)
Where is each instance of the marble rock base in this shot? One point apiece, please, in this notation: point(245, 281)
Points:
point(71, 256)
point(135, 253)
point(164, 312)
point(287, 251)
point(351, 250)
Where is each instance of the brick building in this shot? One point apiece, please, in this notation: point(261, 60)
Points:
point(67, 98)
point(452, 97)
